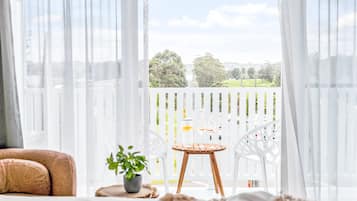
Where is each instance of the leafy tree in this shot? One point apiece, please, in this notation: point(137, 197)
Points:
point(209, 71)
point(229, 74)
point(267, 72)
point(277, 80)
point(277, 75)
point(167, 70)
point(261, 73)
point(236, 74)
point(243, 73)
point(251, 73)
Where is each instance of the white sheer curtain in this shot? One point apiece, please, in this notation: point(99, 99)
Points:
point(81, 86)
point(319, 127)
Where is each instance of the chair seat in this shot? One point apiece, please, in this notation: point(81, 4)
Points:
point(24, 176)
point(256, 157)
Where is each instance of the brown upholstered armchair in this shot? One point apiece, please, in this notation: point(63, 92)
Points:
point(60, 167)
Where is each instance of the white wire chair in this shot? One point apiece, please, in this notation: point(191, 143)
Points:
point(261, 143)
point(158, 150)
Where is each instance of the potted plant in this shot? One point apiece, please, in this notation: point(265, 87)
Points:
point(131, 163)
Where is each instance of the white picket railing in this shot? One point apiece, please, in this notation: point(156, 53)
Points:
point(237, 110)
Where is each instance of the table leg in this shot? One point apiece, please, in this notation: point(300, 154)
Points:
point(218, 177)
point(214, 177)
point(182, 172)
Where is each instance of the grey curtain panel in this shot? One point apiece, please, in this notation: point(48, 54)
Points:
point(10, 122)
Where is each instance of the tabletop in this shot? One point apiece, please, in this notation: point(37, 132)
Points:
point(199, 148)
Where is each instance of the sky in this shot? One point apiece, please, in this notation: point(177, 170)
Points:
point(232, 30)
point(239, 31)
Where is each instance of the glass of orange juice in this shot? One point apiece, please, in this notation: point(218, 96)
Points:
point(187, 132)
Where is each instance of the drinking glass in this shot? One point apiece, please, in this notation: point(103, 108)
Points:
point(187, 129)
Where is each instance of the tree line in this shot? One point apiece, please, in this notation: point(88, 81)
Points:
point(166, 69)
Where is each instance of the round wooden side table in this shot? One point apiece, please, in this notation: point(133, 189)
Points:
point(208, 149)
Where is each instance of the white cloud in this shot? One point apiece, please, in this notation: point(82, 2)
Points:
point(183, 21)
point(246, 45)
point(250, 9)
point(231, 16)
point(223, 19)
point(228, 47)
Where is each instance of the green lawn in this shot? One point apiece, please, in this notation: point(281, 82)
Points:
point(248, 83)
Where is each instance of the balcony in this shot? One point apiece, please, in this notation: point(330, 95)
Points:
point(239, 109)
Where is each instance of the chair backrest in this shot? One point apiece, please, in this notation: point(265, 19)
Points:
point(263, 140)
point(157, 144)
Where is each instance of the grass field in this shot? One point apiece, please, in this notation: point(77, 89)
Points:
point(248, 83)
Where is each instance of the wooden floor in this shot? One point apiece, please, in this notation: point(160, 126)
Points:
point(207, 192)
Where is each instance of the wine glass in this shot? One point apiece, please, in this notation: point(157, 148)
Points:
point(201, 127)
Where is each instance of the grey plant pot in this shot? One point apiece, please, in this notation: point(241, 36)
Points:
point(133, 185)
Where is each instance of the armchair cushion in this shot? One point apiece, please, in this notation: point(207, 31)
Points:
point(61, 167)
point(24, 176)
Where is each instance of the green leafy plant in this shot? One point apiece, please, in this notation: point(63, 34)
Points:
point(130, 163)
